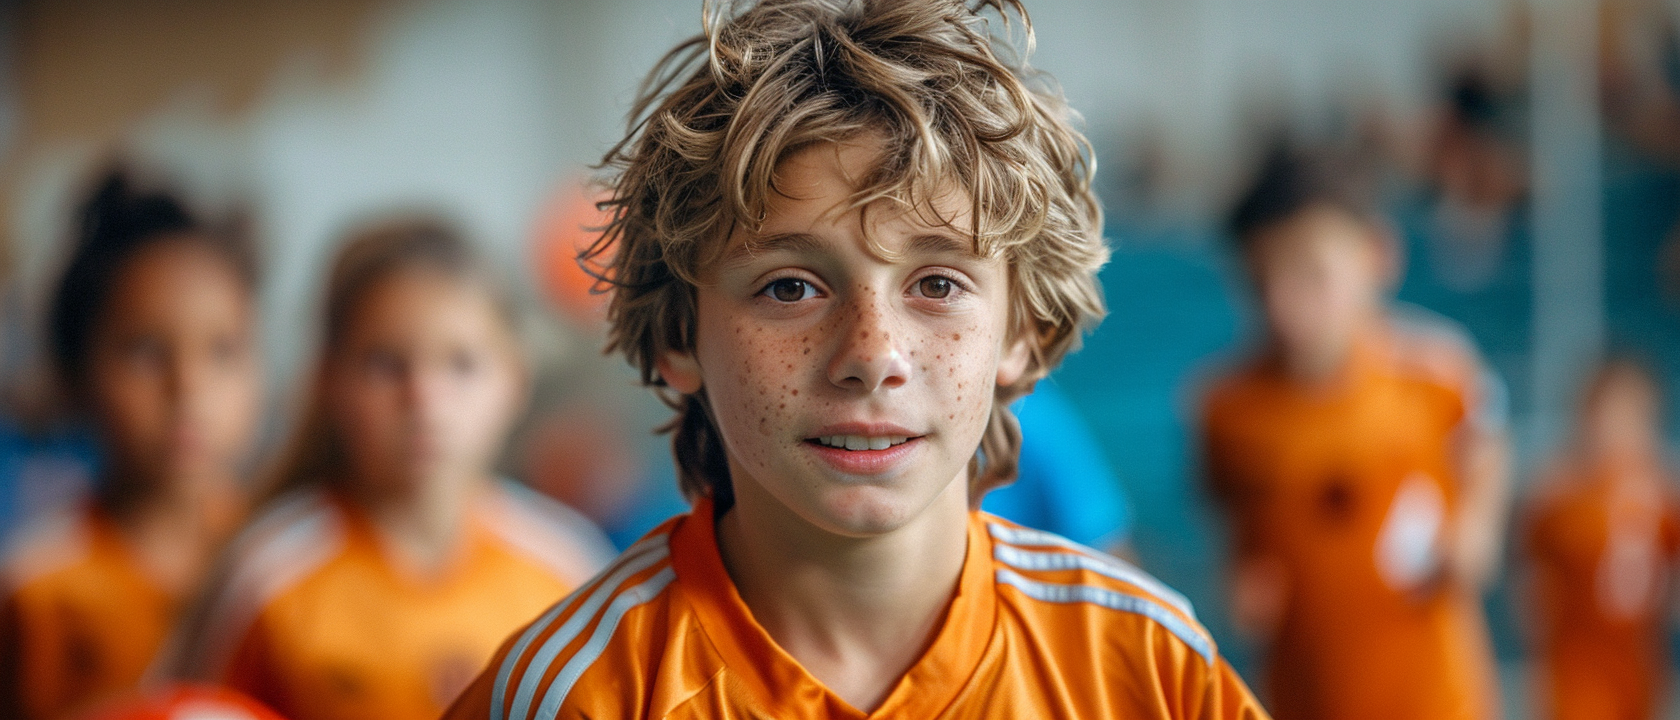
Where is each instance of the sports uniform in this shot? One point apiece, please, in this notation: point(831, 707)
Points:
point(1601, 557)
point(1039, 627)
point(316, 621)
point(1350, 490)
point(81, 618)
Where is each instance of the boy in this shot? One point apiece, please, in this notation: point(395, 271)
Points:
point(846, 236)
point(1360, 457)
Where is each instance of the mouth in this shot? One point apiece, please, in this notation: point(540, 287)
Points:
point(865, 451)
point(856, 443)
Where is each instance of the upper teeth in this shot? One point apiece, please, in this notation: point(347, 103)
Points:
point(860, 442)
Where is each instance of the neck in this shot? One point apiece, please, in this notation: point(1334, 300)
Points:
point(1319, 373)
point(855, 612)
point(1323, 370)
point(422, 523)
point(171, 525)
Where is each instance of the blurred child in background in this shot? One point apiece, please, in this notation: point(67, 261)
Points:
point(1360, 458)
point(153, 334)
point(1600, 537)
point(390, 562)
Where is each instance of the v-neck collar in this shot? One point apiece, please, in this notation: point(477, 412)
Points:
point(778, 682)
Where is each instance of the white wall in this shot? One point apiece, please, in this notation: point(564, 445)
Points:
point(481, 107)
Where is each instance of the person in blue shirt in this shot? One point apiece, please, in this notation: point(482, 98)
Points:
point(1065, 486)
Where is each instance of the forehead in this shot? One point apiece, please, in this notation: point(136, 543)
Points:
point(176, 269)
point(1315, 232)
point(178, 253)
point(824, 191)
point(420, 301)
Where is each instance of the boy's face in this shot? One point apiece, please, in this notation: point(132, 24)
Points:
point(1320, 275)
point(851, 389)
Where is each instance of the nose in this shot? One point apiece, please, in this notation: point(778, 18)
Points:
point(176, 374)
point(870, 356)
point(183, 382)
point(425, 388)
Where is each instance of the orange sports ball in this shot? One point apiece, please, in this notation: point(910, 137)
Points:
point(568, 224)
point(184, 702)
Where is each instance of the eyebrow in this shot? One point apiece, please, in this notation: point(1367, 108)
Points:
point(923, 244)
point(789, 242)
point(934, 243)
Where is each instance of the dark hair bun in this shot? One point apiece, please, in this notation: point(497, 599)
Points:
point(117, 220)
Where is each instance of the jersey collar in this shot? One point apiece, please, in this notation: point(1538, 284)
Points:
point(780, 685)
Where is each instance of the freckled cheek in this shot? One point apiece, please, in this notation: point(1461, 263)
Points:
point(754, 382)
point(960, 371)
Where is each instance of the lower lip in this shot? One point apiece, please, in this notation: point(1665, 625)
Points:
point(865, 462)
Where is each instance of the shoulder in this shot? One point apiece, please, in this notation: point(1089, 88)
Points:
point(1431, 349)
point(284, 544)
point(277, 534)
point(1056, 579)
point(546, 531)
point(45, 547)
point(1419, 329)
point(1430, 346)
point(542, 663)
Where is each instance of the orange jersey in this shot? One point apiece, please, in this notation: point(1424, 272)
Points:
point(1349, 489)
point(317, 622)
point(1039, 627)
point(1601, 563)
point(81, 620)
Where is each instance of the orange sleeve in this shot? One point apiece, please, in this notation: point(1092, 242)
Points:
point(1444, 352)
point(1228, 697)
point(1193, 683)
point(1202, 687)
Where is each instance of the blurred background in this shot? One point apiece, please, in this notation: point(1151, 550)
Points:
point(1529, 150)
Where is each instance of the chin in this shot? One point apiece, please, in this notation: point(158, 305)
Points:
point(843, 504)
point(866, 511)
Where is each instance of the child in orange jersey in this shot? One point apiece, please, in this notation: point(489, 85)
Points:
point(1601, 537)
point(845, 236)
point(153, 335)
point(1360, 458)
point(391, 562)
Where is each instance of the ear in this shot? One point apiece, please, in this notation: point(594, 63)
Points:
point(1017, 355)
point(679, 370)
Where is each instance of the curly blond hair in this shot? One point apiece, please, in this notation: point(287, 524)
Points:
point(954, 104)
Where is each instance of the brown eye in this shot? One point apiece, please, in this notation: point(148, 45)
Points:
point(789, 290)
point(936, 287)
